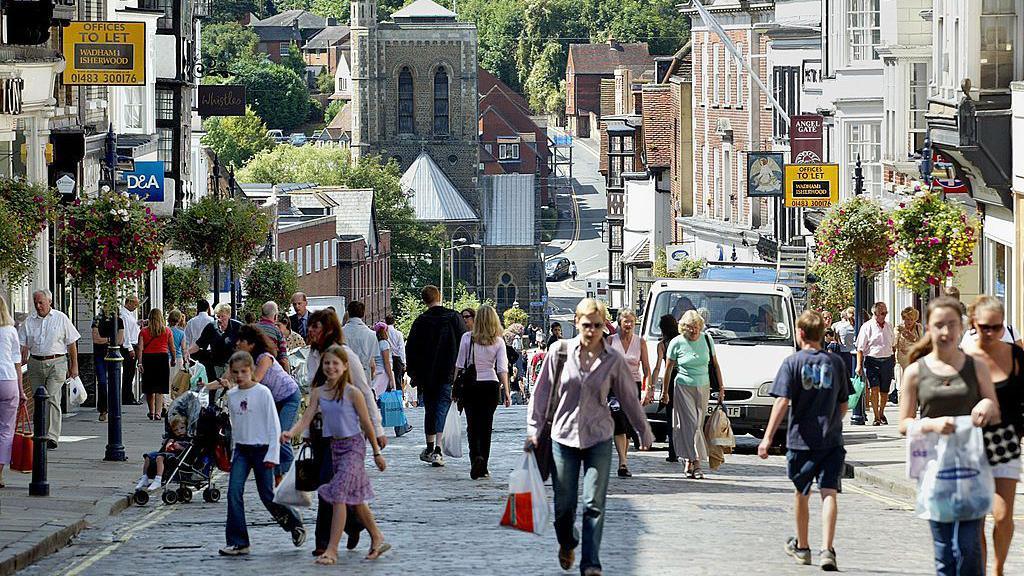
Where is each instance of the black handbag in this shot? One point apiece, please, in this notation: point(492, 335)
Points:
point(712, 373)
point(465, 377)
point(307, 469)
point(542, 448)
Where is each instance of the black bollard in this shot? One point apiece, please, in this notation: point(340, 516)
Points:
point(39, 486)
point(115, 365)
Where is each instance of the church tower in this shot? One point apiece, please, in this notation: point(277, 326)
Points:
point(365, 88)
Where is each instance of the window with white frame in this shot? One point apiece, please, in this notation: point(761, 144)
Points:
point(342, 84)
point(508, 151)
point(918, 104)
point(327, 256)
point(132, 109)
point(864, 140)
point(309, 259)
point(298, 262)
point(334, 251)
point(715, 73)
point(284, 48)
point(727, 85)
point(316, 257)
point(283, 256)
point(705, 67)
point(717, 175)
point(998, 42)
point(863, 30)
point(705, 184)
point(739, 77)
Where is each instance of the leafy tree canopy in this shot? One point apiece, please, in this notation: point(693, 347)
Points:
point(226, 46)
point(234, 10)
point(276, 93)
point(269, 280)
point(236, 139)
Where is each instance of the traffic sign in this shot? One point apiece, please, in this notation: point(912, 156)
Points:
point(105, 54)
point(811, 185)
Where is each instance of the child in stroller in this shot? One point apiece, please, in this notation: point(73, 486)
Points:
point(188, 453)
point(154, 464)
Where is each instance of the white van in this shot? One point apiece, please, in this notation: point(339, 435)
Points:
point(753, 327)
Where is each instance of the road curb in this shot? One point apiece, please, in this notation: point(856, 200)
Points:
point(901, 487)
point(105, 508)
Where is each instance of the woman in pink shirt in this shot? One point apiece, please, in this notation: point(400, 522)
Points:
point(485, 348)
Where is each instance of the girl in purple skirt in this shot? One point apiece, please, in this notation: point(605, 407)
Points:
point(347, 422)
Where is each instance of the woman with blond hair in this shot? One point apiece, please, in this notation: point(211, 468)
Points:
point(485, 349)
point(155, 362)
point(692, 355)
point(634, 349)
point(572, 395)
point(1005, 363)
point(907, 334)
point(11, 392)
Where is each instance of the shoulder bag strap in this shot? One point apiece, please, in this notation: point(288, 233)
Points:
point(556, 384)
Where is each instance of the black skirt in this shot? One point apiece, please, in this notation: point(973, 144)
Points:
point(156, 373)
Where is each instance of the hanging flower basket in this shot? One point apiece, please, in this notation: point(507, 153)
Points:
point(936, 237)
point(855, 233)
point(24, 211)
point(215, 230)
point(109, 242)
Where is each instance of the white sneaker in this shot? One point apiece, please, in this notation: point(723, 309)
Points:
point(157, 483)
point(143, 481)
point(436, 460)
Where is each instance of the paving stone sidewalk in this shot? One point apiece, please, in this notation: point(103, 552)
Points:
point(83, 488)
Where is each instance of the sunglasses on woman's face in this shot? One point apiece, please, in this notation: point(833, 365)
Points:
point(989, 327)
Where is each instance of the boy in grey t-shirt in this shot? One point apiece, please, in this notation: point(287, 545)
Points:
point(814, 386)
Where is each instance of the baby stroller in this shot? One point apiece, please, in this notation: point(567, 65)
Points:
point(191, 470)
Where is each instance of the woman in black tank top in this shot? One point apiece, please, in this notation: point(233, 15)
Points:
point(1006, 363)
point(947, 383)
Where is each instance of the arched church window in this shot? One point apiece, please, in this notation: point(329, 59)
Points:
point(405, 102)
point(441, 101)
point(505, 291)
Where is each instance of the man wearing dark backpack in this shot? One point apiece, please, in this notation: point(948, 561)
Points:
point(431, 351)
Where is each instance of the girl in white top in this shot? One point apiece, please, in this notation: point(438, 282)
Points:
point(11, 391)
point(485, 347)
point(634, 349)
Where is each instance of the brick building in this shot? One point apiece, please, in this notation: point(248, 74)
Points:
point(587, 66)
point(415, 89)
point(278, 32)
point(311, 246)
point(729, 119)
point(511, 142)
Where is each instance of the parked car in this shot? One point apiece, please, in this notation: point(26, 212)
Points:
point(297, 139)
point(276, 135)
point(557, 268)
point(753, 327)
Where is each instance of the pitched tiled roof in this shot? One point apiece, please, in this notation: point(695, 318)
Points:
point(509, 210)
point(304, 18)
point(424, 9)
point(641, 252)
point(604, 58)
point(341, 123)
point(434, 198)
point(329, 36)
point(658, 125)
point(354, 209)
point(486, 82)
point(277, 34)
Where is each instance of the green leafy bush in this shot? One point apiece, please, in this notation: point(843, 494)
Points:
point(183, 286)
point(24, 211)
point(269, 280)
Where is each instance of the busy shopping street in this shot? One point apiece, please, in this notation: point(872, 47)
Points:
point(528, 287)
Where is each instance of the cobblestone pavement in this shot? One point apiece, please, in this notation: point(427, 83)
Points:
point(442, 523)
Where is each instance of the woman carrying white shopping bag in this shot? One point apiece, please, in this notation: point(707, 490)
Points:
point(946, 383)
point(574, 383)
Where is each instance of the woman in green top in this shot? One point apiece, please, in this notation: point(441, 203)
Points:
point(691, 353)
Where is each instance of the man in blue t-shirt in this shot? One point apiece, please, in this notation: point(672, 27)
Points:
point(814, 385)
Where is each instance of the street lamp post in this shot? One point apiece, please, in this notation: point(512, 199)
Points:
point(443, 248)
point(858, 416)
point(115, 447)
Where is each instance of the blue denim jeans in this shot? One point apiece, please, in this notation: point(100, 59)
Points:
point(287, 410)
point(958, 548)
point(436, 400)
point(245, 459)
point(596, 462)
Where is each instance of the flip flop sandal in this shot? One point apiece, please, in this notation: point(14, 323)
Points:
point(325, 560)
point(697, 474)
point(379, 551)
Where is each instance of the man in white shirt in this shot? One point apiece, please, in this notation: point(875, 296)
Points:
point(876, 359)
point(360, 338)
point(129, 315)
point(194, 327)
point(49, 346)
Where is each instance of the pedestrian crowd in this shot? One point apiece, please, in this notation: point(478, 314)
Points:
point(587, 397)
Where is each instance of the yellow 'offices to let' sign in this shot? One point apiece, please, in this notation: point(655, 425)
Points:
point(811, 185)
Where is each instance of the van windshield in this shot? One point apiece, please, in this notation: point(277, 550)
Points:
point(728, 317)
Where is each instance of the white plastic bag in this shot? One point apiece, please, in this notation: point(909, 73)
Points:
point(920, 449)
point(286, 495)
point(957, 484)
point(451, 438)
point(76, 392)
point(526, 507)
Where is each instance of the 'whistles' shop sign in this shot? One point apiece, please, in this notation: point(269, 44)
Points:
point(221, 100)
point(105, 54)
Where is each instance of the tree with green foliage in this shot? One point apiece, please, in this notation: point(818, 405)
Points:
point(515, 315)
point(409, 306)
point(234, 10)
point(226, 46)
point(688, 267)
point(236, 139)
point(543, 82)
point(413, 245)
point(337, 9)
point(276, 93)
point(325, 82)
point(183, 286)
point(268, 280)
point(294, 62)
point(332, 110)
